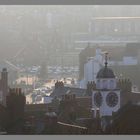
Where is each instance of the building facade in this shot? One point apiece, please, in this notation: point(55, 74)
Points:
point(91, 68)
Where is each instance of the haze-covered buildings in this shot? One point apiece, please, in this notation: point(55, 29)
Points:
point(124, 60)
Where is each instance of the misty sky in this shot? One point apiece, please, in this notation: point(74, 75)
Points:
point(50, 27)
point(21, 24)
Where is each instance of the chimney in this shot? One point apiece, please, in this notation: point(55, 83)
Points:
point(97, 113)
point(4, 82)
point(17, 91)
point(20, 91)
point(93, 112)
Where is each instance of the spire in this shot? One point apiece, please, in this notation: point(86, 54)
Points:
point(106, 58)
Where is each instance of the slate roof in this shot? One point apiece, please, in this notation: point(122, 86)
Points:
point(58, 92)
point(105, 73)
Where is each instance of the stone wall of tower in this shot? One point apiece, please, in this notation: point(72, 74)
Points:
point(104, 109)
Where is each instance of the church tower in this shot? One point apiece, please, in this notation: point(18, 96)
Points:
point(106, 96)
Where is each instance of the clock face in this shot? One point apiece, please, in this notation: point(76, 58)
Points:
point(112, 99)
point(98, 99)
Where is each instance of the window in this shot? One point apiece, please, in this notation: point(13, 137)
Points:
point(105, 85)
point(112, 84)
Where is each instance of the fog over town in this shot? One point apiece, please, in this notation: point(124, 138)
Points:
point(69, 69)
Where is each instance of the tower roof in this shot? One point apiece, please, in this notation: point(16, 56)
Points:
point(105, 72)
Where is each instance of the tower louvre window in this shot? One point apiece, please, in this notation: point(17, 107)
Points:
point(105, 85)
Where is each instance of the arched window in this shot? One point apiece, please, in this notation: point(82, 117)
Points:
point(105, 85)
point(112, 84)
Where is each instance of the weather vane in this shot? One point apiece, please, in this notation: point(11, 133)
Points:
point(106, 58)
